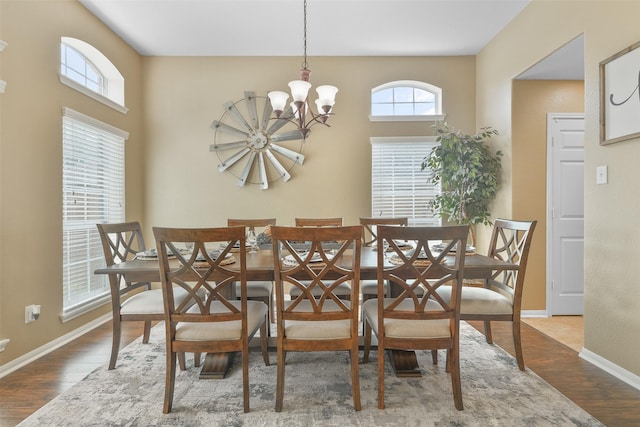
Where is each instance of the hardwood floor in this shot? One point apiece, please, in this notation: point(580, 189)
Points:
point(26, 390)
point(569, 330)
point(608, 399)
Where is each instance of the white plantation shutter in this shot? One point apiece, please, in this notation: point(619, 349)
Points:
point(92, 192)
point(398, 187)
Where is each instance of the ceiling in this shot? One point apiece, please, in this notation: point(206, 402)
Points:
point(334, 28)
point(566, 63)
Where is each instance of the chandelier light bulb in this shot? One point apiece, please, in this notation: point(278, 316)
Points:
point(295, 110)
point(327, 97)
point(278, 101)
point(299, 90)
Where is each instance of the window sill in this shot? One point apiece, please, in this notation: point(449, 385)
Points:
point(103, 99)
point(430, 118)
point(85, 308)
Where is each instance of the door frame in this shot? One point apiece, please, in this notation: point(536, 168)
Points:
point(549, 219)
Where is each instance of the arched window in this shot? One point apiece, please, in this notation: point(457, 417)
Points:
point(86, 69)
point(406, 100)
point(74, 65)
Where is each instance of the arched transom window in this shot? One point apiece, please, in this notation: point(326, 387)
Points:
point(78, 68)
point(85, 69)
point(406, 100)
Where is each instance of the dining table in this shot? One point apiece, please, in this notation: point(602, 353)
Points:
point(260, 267)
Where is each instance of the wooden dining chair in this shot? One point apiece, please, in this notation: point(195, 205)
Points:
point(500, 299)
point(317, 321)
point(370, 224)
point(130, 301)
point(210, 319)
point(369, 288)
point(318, 222)
point(409, 319)
point(344, 290)
point(261, 290)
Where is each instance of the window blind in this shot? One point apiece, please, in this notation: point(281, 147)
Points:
point(92, 192)
point(398, 187)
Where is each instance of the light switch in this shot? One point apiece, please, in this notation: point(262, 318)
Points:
point(601, 174)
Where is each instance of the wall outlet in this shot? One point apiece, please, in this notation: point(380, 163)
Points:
point(3, 344)
point(31, 313)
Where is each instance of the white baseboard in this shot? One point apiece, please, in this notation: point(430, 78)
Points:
point(596, 360)
point(622, 374)
point(533, 313)
point(37, 353)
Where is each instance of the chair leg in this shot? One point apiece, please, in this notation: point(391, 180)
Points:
point(181, 361)
point(517, 343)
point(434, 356)
point(367, 342)
point(115, 343)
point(280, 380)
point(487, 331)
point(272, 308)
point(364, 321)
point(147, 332)
point(196, 359)
point(264, 345)
point(267, 300)
point(245, 374)
point(455, 377)
point(169, 381)
point(355, 377)
point(380, 375)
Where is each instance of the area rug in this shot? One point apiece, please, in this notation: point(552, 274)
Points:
point(317, 392)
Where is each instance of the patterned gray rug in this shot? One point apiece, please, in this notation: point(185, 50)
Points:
point(317, 392)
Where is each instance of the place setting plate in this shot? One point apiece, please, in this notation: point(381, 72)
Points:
point(471, 250)
point(151, 255)
point(290, 260)
point(201, 262)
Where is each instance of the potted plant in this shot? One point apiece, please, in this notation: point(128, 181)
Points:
point(469, 175)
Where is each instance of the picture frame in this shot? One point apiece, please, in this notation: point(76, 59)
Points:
point(620, 96)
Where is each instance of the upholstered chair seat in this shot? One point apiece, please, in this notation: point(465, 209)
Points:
point(407, 328)
point(480, 301)
point(317, 330)
point(149, 302)
point(232, 330)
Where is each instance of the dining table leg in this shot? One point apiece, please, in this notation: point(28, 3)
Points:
point(216, 365)
point(405, 363)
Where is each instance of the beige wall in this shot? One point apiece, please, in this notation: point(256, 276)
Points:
point(184, 95)
point(532, 100)
point(612, 296)
point(31, 159)
point(171, 175)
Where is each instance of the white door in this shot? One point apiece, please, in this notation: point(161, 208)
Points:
point(565, 216)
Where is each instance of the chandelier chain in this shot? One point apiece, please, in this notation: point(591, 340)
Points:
point(304, 64)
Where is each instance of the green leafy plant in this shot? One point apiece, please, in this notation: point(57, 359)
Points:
point(469, 175)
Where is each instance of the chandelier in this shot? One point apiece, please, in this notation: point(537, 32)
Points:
point(299, 111)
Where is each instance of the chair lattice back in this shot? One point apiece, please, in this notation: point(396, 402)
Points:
point(510, 241)
point(121, 242)
point(370, 236)
point(331, 257)
point(415, 275)
point(207, 273)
